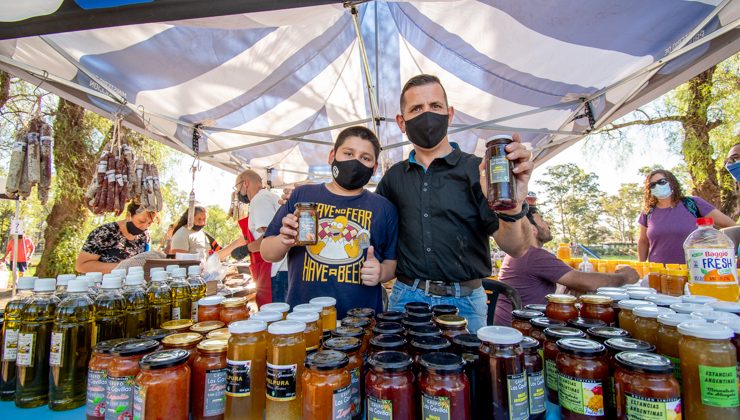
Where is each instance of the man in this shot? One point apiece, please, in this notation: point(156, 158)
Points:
point(538, 272)
point(339, 265)
point(732, 163)
point(25, 251)
point(271, 279)
point(445, 221)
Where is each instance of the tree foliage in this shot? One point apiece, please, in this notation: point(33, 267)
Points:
point(621, 211)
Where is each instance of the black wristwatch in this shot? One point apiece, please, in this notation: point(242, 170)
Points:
point(511, 218)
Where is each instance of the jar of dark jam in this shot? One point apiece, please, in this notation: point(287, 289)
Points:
point(644, 383)
point(365, 324)
point(451, 325)
point(602, 334)
point(423, 331)
point(503, 390)
point(500, 174)
point(584, 324)
point(363, 313)
point(616, 297)
point(444, 389)
point(535, 367)
point(583, 370)
point(561, 307)
point(539, 307)
point(540, 324)
point(615, 346)
point(390, 387)
point(467, 345)
point(386, 342)
point(356, 332)
point(438, 310)
point(388, 328)
point(389, 316)
point(419, 315)
point(597, 307)
point(410, 323)
point(550, 354)
point(423, 345)
point(520, 319)
point(308, 224)
point(416, 306)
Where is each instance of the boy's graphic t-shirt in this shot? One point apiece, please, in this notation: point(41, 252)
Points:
point(332, 266)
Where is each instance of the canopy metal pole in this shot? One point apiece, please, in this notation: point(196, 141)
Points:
point(366, 68)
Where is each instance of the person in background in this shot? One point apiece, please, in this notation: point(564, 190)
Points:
point(732, 164)
point(668, 217)
point(271, 279)
point(196, 240)
point(538, 272)
point(25, 251)
point(113, 242)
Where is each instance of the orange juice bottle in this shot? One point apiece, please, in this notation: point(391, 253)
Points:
point(710, 258)
point(564, 252)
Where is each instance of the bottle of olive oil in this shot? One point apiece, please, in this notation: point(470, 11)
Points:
point(158, 300)
point(92, 287)
point(181, 294)
point(71, 346)
point(197, 290)
point(34, 338)
point(135, 295)
point(171, 273)
point(62, 282)
point(110, 310)
point(11, 328)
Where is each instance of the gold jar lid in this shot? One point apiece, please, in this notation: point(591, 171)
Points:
point(214, 345)
point(182, 339)
point(596, 299)
point(451, 320)
point(206, 326)
point(177, 324)
point(559, 298)
point(234, 302)
point(219, 333)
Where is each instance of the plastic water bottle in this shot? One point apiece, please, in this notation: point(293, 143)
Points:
point(586, 265)
point(710, 257)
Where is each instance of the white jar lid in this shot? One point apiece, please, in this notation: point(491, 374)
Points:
point(733, 307)
point(97, 275)
point(674, 319)
point(649, 311)
point(120, 272)
point(155, 270)
point(632, 304)
point(662, 300)
point(64, 279)
point(611, 289)
point(77, 285)
point(267, 316)
point(733, 323)
point(180, 272)
point(113, 282)
point(324, 301)
point(90, 281)
point(616, 296)
point(194, 270)
point(159, 276)
point(705, 330)
point(170, 268)
point(275, 307)
point(248, 326)
point(136, 269)
point(287, 327)
point(44, 285)
point(687, 308)
point(26, 283)
point(499, 335)
point(701, 300)
point(639, 294)
point(134, 279)
point(303, 316)
point(636, 287)
point(307, 307)
point(711, 315)
point(210, 300)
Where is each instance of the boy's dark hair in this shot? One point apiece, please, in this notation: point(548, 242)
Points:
point(421, 80)
point(361, 132)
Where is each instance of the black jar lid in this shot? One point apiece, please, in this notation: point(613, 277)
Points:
point(584, 324)
point(424, 331)
point(305, 204)
point(388, 341)
point(419, 315)
point(438, 310)
point(156, 334)
point(407, 323)
point(580, 347)
point(526, 314)
point(602, 334)
point(344, 331)
point(616, 345)
point(644, 362)
point(343, 344)
point(362, 312)
point(164, 359)
point(388, 328)
point(105, 347)
point(389, 316)
point(544, 322)
point(556, 333)
point(441, 362)
point(429, 344)
point(413, 306)
point(540, 307)
point(355, 321)
point(467, 342)
point(529, 343)
point(327, 360)
point(134, 347)
point(390, 361)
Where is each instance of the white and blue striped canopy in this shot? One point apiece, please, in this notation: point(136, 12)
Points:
point(271, 89)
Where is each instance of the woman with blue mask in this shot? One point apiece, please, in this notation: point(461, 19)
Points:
point(668, 217)
point(732, 163)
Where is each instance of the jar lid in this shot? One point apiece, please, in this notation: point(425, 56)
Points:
point(390, 316)
point(211, 300)
point(625, 344)
point(157, 276)
point(584, 324)
point(605, 333)
point(644, 362)
point(580, 347)
point(662, 300)
point(536, 307)
point(639, 294)
point(526, 314)
point(353, 321)
point(687, 308)
point(647, 311)
point(326, 360)
point(305, 204)
point(286, 327)
point(46, 285)
point(702, 329)
point(182, 339)
point(414, 306)
point(673, 319)
point(698, 299)
point(156, 334)
point(596, 299)
point(467, 341)
point(76, 286)
point(556, 333)
point(630, 304)
point(213, 345)
point(560, 298)
point(529, 343)
point(104, 347)
point(267, 316)
point(427, 344)
point(281, 307)
point(250, 326)
point(438, 310)
point(234, 302)
point(324, 301)
point(408, 323)
point(307, 307)
point(544, 322)
point(610, 289)
point(615, 296)
point(134, 347)
point(164, 359)
point(390, 361)
point(361, 312)
point(25, 283)
point(303, 316)
point(344, 344)
point(733, 307)
point(388, 341)
point(420, 315)
point(499, 139)
point(388, 328)
point(441, 362)
point(452, 320)
point(219, 333)
point(636, 287)
point(732, 323)
point(345, 331)
point(499, 335)
point(424, 331)
point(177, 324)
point(711, 315)
point(64, 279)
point(206, 326)
point(172, 267)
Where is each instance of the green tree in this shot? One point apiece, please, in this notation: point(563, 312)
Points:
point(220, 226)
point(621, 211)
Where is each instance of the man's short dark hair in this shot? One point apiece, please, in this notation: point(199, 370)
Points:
point(420, 80)
point(361, 132)
point(530, 214)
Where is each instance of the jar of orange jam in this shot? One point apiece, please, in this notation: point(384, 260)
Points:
point(668, 338)
point(583, 370)
point(326, 386)
point(313, 331)
point(561, 307)
point(246, 355)
point(208, 384)
point(328, 312)
point(626, 317)
point(233, 309)
point(597, 307)
point(646, 322)
point(351, 347)
point(204, 327)
point(644, 383)
point(209, 308)
point(162, 387)
point(286, 353)
point(185, 341)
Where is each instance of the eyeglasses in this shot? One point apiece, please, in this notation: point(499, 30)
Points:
point(661, 181)
point(732, 159)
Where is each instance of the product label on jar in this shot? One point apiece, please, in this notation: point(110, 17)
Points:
point(119, 398)
point(342, 403)
point(214, 397)
point(306, 227)
point(581, 396)
point(355, 388)
point(518, 400)
point(175, 313)
point(379, 409)
point(718, 386)
point(139, 402)
point(537, 397)
point(711, 266)
point(55, 353)
point(498, 169)
point(435, 408)
point(551, 374)
point(676, 367)
point(97, 381)
point(25, 349)
point(10, 345)
point(638, 407)
point(281, 382)
point(238, 383)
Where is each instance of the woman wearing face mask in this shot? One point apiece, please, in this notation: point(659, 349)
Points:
point(194, 240)
point(668, 217)
point(114, 242)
